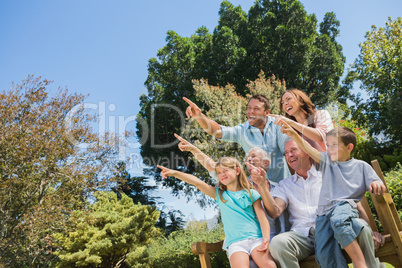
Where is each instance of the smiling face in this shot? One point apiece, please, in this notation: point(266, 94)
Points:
point(256, 114)
point(228, 176)
point(337, 150)
point(256, 158)
point(290, 104)
point(296, 158)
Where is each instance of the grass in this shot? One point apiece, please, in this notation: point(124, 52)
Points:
point(387, 265)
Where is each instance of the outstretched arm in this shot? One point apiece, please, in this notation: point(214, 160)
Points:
point(204, 160)
point(190, 179)
point(209, 125)
point(309, 132)
point(304, 145)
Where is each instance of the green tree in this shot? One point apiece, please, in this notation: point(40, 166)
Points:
point(378, 69)
point(170, 221)
point(285, 43)
point(277, 37)
point(109, 233)
point(169, 79)
point(44, 174)
point(137, 188)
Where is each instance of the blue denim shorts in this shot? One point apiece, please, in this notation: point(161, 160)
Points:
point(339, 226)
point(341, 219)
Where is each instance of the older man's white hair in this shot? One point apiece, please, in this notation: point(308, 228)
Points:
point(265, 154)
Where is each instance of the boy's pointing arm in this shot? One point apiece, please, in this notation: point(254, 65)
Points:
point(304, 145)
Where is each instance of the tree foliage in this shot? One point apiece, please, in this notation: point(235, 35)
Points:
point(139, 190)
point(277, 37)
point(393, 181)
point(112, 232)
point(378, 68)
point(285, 43)
point(44, 175)
point(170, 221)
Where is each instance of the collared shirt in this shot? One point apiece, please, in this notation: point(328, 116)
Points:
point(273, 141)
point(301, 197)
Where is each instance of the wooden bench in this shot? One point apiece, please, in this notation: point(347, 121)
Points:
point(390, 253)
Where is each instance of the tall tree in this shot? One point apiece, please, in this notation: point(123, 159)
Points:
point(378, 68)
point(44, 175)
point(285, 43)
point(327, 64)
point(169, 79)
point(170, 221)
point(277, 37)
point(137, 188)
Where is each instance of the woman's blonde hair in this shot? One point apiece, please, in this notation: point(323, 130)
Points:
point(244, 183)
point(306, 105)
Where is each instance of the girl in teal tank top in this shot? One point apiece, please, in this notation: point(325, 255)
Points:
point(247, 231)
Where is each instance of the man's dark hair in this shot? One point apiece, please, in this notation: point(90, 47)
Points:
point(263, 99)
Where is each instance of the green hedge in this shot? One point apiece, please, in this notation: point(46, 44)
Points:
point(394, 184)
point(393, 179)
point(175, 250)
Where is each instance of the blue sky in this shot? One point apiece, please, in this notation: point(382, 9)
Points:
point(102, 48)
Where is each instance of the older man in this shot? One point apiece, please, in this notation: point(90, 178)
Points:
point(261, 159)
point(299, 193)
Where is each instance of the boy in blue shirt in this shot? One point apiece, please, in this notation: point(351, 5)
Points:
point(345, 180)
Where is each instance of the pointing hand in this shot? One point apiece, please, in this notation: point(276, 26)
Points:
point(192, 110)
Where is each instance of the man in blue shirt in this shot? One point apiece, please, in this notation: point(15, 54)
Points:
point(258, 131)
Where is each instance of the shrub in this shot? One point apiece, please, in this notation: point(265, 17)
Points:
point(175, 250)
point(392, 178)
point(110, 233)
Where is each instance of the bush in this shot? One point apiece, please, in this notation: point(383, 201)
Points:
point(175, 250)
point(392, 178)
point(111, 232)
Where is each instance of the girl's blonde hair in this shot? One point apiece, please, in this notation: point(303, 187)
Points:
point(244, 183)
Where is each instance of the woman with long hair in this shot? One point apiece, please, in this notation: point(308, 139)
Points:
point(301, 114)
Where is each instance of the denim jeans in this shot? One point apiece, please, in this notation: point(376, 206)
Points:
point(337, 226)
